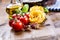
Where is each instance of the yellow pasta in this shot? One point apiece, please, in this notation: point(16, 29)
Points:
point(36, 15)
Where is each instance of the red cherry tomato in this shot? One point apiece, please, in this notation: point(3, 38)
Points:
point(18, 16)
point(24, 19)
point(14, 16)
point(21, 18)
point(27, 15)
point(17, 26)
point(10, 22)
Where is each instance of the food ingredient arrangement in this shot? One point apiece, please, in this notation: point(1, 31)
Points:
point(25, 18)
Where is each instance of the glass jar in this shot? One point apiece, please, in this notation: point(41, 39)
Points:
point(10, 9)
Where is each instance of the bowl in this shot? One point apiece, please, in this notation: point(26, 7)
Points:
point(32, 2)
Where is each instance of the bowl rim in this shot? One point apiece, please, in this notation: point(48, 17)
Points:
point(32, 1)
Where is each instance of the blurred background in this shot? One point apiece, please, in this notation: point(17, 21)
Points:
point(52, 5)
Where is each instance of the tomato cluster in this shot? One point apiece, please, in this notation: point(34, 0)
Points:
point(18, 22)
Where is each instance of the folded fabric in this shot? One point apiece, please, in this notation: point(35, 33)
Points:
point(55, 7)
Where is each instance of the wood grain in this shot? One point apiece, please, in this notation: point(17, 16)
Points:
point(45, 33)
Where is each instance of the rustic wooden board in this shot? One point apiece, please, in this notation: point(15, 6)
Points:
point(44, 33)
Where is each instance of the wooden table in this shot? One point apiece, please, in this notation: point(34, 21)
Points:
point(46, 33)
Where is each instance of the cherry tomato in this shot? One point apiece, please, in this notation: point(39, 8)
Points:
point(18, 16)
point(27, 15)
point(14, 16)
point(24, 19)
point(17, 26)
point(10, 22)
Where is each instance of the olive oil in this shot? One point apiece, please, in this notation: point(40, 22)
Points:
point(10, 9)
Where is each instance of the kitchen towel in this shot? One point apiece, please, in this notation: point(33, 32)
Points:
point(55, 7)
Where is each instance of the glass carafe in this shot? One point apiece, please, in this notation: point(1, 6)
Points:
point(10, 9)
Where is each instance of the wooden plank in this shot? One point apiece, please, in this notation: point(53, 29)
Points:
point(44, 33)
